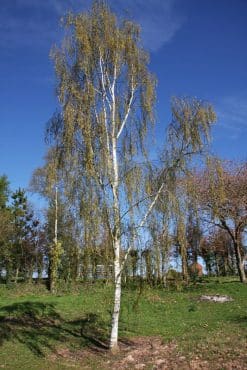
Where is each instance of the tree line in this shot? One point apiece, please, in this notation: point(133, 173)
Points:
point(22, 238)
point(209, 224)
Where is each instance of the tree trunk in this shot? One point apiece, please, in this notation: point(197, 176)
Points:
point(53, 254)
point(8, 273)
point(184, 263)
point(148, 266)
point(16, 275)
point(30, 275)
point(217, 271)
point(240, 265)
point(117, 298)
point(208, 264)
point(40, 269)
point(158, 273)
point(116, 238)
point(225, 266)
point(51, 277)
point(195, 257)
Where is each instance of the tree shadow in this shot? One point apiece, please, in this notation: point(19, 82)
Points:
point(93, 331)
point(241, 320)
point(40, 327)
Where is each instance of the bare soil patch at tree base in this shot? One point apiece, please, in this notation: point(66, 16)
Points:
point(147, 353)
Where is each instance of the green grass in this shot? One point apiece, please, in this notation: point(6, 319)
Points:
point(33, 327)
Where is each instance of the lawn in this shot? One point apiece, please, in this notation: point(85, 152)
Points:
point(40, 331)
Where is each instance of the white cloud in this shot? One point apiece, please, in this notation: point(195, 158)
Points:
point(158, 19)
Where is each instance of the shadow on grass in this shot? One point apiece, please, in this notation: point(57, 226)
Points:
point(241, 320)
point(40, 327)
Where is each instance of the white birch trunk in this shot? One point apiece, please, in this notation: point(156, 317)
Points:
point(118, 266)
point(117, 231)
point(117, 298)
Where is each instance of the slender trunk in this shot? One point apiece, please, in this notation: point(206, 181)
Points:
point(77, 267)
point(158, 266)
point(231, 262)
point(208, 267)
point(163, 265)
point(225, 265)
point(240, 265)
point(40, 273)
point(51, 278)
point(30, 275)
point(116, 239)
point(55, 226)
point(117, 298)
point(217, 270)
point(8, 273)
point(53, 262)
point(16, 275)
point(195, 257)
point(184, 263)
point(148, 267)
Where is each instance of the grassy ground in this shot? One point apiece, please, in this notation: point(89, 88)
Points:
point(71, 330)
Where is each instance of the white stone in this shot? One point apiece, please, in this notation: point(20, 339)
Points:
point(216, 298)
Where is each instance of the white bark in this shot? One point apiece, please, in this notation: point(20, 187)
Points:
point(128, 109)
point(118, 266)
point(109, 105)
point(117, 232)
point(117, 298)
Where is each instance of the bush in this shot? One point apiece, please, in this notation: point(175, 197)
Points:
point(173, 275)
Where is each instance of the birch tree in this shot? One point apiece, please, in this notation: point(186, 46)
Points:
point(107, 95)
point(188, 136)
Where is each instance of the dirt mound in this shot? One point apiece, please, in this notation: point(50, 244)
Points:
point(144, 353)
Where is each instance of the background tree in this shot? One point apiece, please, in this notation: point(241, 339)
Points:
point(4, 191)
point(222, 245)
point(223, 199)
point(23, 243)
point(20, 235)
point(188, 137)
point(82, 229)
point(6, 228)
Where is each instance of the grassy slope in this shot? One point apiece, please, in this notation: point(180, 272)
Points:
point(33, 327)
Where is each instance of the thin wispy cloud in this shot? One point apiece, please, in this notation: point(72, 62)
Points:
point(232, 115)
point(22, 24)
point(35, 23)
point(158, 19)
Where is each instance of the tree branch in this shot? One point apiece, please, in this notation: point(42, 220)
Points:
point(128, 108)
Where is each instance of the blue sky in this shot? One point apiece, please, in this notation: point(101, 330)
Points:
point(198, 48)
